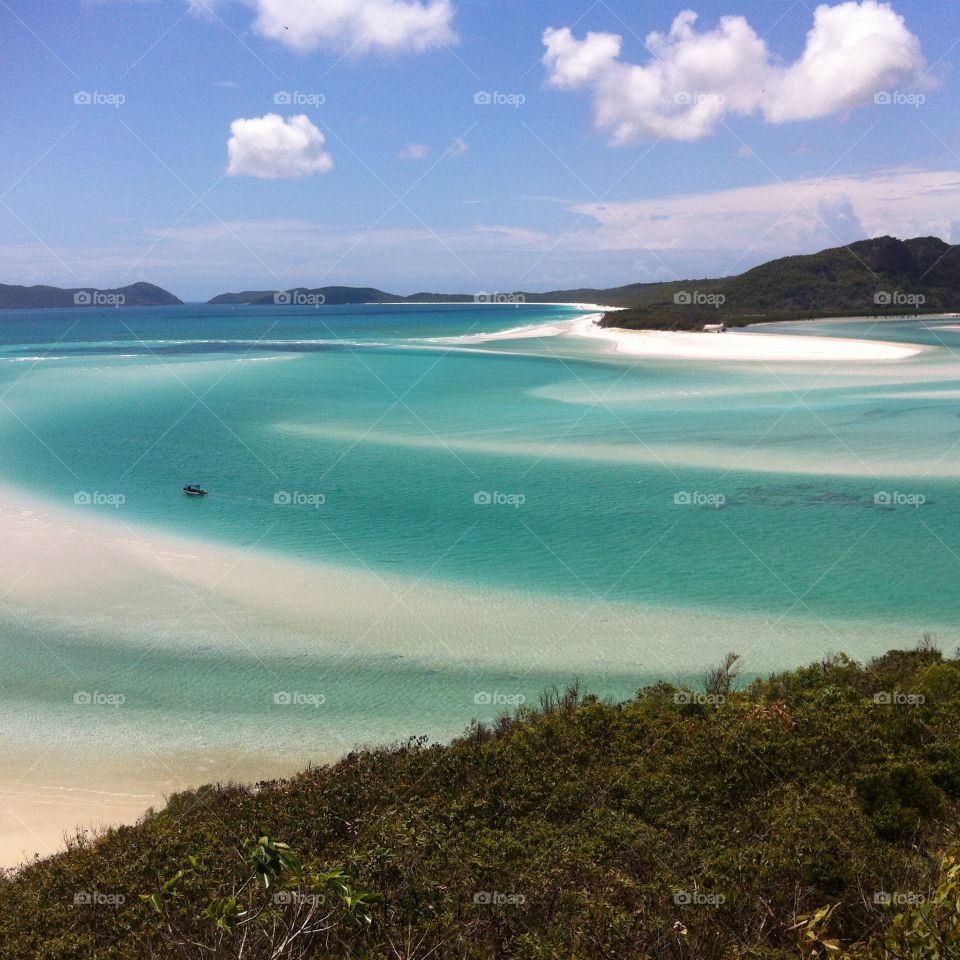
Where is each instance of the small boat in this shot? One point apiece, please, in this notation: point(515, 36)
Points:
point(193, 490)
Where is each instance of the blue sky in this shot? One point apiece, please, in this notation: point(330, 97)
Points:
point(598, 162)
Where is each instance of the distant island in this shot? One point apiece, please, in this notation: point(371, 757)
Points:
point(135, 295)
point(339, 296)
point(879, 277)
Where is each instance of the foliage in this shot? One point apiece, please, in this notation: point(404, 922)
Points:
point(680, 824)
point(879, 277)
point(922, 926)
point(275, 908)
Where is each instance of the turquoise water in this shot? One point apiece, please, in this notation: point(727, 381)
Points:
point(412, 444)
point(384, 443)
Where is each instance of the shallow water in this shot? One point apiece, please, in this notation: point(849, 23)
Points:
point(410, 442)
point(382, 457)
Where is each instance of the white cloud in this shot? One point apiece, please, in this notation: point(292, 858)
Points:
point(853, 51)
point(414, 151)
point(695, 79)
point(351, 26)
point(751, 224)
point(689, 235)
point(272, 148)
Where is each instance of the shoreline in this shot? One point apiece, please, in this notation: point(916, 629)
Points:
point(154, 598)
point(736, 346)
point(588, 307)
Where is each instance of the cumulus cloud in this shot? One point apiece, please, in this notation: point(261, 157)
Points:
point(695, 79)
point(272, 148)
point(353, 26)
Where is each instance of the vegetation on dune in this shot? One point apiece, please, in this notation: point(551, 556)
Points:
point(812, 813)
point(879, 277)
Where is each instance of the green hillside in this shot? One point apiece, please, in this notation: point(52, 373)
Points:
point(680, 824)
point(879, 277)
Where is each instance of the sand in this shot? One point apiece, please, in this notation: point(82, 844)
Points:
point(767, 347)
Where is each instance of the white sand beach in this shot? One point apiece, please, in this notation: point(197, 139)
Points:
point(768, 347)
